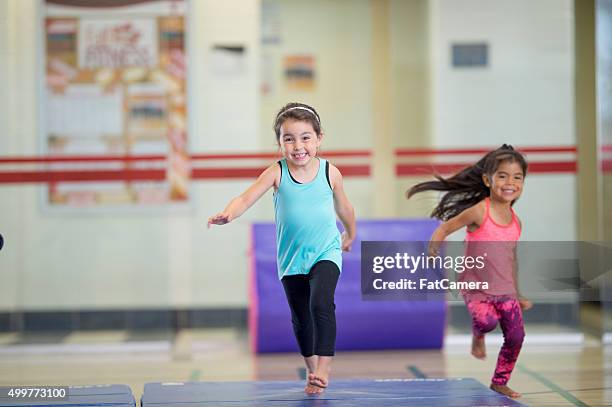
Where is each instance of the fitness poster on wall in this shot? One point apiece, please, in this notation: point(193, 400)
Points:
point(114, 102)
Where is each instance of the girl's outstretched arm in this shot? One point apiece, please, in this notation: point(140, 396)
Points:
point(344, 209)
point(244, 201)
point(472, 216)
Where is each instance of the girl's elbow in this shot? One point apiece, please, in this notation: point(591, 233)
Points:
point(440, 233)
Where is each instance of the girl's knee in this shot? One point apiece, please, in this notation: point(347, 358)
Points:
point(322, 308)
point(514, 337)
point(485, 325)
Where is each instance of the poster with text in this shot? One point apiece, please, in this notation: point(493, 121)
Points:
point(114, 103)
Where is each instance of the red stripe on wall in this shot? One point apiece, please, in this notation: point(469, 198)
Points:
point(237, 172)
point(81, 158)
point(534, 167)
point(428, 169)
point(553, 167)
point(355, 170)
point(12, 177)
point(460, 151)
point(97, 3)
point(221, 173)
point(158, 157)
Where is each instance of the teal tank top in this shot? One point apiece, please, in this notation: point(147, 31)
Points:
point(306, 230)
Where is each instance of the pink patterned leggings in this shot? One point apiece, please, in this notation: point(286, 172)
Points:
point(506, 310)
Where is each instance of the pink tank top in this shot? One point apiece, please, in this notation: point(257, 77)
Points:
point(491, 231)
point(497, 243)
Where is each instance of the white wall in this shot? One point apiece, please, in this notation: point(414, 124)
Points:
point(338, 35)
point(168, 258)
point(524, 97)
point(129, 259)
point(604, 106)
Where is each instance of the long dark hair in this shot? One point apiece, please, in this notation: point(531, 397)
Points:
point(467, 188)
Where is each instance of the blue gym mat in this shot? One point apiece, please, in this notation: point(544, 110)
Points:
point(115, 395)
point(373, 393)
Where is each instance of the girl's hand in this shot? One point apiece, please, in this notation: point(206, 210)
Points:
point(219, 219)
point(346, 242)
point(525, 303)
point(433, 251)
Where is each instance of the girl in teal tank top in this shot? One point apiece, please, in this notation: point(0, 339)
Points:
point(308, 194)
point(306, 230)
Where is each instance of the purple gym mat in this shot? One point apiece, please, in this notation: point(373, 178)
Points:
point(362, 325)
point(457, 392)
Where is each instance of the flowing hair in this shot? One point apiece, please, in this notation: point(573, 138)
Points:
point(466, 188)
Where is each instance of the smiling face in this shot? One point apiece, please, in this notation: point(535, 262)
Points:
point(299, 142)
point(506, 183)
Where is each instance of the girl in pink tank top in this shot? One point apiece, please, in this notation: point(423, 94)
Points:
point(480, 198)
point(498, 243)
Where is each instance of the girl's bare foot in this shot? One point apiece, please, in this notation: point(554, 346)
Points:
point(505, 390)
point(310, 377)
point(310, 388)
point(319, 380)
point(311, 366)
point(319, 377)
point(479, 351)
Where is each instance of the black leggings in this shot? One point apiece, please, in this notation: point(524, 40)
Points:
point(313, 312)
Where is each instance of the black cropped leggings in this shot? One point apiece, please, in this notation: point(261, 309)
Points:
point(313, 312)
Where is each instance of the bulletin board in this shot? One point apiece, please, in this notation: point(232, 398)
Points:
point(114, 99)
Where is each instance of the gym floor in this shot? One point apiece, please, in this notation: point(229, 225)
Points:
point(554, 369)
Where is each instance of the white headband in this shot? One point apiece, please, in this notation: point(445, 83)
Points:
point(302, 108)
